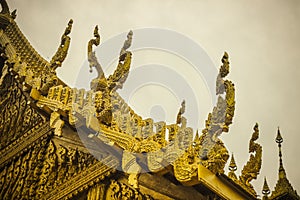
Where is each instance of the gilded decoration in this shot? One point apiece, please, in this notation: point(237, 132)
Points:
point(119, 190)
point(42, 155)
point(17, 116)
point(283, 187)
point(212, 152)
point(253, 166)
point(46, 167)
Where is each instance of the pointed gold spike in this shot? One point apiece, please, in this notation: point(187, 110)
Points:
point(196, 136)
point(283, 185)
point(266, 189)
point(232, 165)
point(232, 168)
point(279, 139)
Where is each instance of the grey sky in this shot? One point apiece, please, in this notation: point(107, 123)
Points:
point(261, 37)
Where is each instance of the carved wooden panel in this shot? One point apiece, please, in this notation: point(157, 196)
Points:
point(42, 169)
point(16, 116)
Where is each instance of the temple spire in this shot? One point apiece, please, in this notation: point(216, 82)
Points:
point(279, 140)
point(232, 168)
point(265, 190)
point(283, 187)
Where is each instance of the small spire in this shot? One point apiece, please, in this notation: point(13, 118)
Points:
point(196, 136)
point(279, 140)
point(232, 166)
point(283, 186)
point(265, 189)
point(196, 142)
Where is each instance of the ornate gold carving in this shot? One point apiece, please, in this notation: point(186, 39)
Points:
point(141, 138)
point(63, 48)
point(207, 149)
point(34, 71)
point(21, 46)
point(97, 192)
point(17, 116)
point(119, 190)
point(22, 144)
point(103, 87)
point(45, 165)
point(19, 177)
point(186, 166)
point(252, 167)
point(212, 151)
point(49, 171)
point(56, 123)
point(93, 59)
point(90, 175)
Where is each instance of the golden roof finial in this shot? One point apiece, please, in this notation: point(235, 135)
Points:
point(253, 166)
point(63, 48)
point(232, 165)
point(93, 61)
point(232, 168)
point(265, 190)
point(117, 79)
point(279, 140)
point(283, 186)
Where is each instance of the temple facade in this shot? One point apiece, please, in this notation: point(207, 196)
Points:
point(58, 142)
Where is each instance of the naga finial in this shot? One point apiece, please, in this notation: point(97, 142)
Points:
point(180, 112)
point(224, 69)
point(117, 79)
point(127, 43)
point(93, 61)
point(253, 166)
point(63, 48)
point(95, 41)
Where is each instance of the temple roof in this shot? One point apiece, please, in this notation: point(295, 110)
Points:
point(145, 145)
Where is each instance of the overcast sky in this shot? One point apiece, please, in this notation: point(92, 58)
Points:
point(261, 37)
